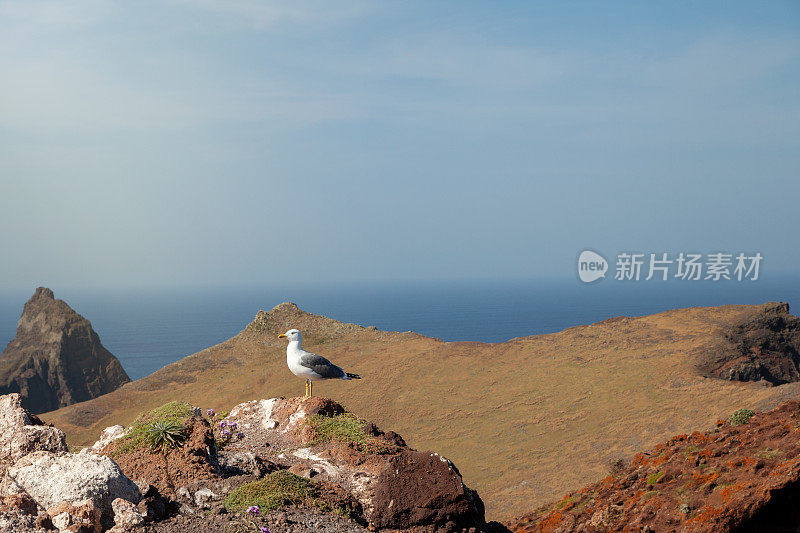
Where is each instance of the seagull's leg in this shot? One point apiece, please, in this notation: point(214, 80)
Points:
point(306, 395)
point(310, 388)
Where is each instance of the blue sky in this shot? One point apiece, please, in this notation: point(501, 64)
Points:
point(202, 142)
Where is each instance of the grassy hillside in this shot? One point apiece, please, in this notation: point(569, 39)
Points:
point(524, 420)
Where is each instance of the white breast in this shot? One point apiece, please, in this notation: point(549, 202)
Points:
point(293, 354)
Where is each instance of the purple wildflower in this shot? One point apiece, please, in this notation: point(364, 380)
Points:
point(223, 424)
point(265, 529)
point(226, 433)
point(210, 412)
point(240, 435)
point(253, 510)
point(232, 425)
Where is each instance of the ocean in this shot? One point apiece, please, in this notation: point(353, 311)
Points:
point(149, 328)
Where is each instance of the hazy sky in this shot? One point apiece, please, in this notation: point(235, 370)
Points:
point(239, 141)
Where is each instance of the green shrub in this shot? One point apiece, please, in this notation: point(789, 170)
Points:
point(653, 478)
point(277, 489)
point(742, 416)
point(138, 435)
point(769, 453)
point(345, 428)
point(338, 428)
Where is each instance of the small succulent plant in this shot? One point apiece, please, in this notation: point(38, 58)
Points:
point(166, 434)
point(740, 417)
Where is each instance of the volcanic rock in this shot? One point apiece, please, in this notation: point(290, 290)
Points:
point(742, 476)
point(390, 485)
point(763, 346)
point(56, 358)
point(83, 514)
point(194, 461)
point(126, 515)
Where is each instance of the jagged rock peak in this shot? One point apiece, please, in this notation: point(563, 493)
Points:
point(288, 315)
point(43, 292)
point(56, 358)
point(286, 306)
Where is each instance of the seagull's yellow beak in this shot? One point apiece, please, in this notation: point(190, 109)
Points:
point(281, 336)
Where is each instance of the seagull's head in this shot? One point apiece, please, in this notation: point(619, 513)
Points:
point(291, 335)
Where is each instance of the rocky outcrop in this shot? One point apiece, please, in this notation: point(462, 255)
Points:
point(395, 487)
point(22, 433)
point(352, 466)
point(193, 462)
point(764, 345)
point(44, 486)
point(51, 478)
point(56, 358)
point(742, 476)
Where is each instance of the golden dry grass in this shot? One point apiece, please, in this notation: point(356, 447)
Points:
point(524, 420)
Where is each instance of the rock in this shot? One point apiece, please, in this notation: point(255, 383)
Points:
point(302, 470)
point(243, 463)
point(741, 477)
point(143, 486)
point(762, 347)
point(126, 514)
point(21, 502)
point(74, 516)
point(379, 479)
point(109, 435)
point(56, 358)
point(15, 522)
point(153, 506)
point(204, 497)
point(192, 463)
point(51, 478)
point(43, 521)
point(186, 510)
point(183, 494)
point(418, 488)
point(286, 416)
point(22, 433)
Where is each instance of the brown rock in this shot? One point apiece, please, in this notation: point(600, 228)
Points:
point(376, 477)
point(43, 521)
point(735, 478)
point(302, 470)
point(126, 514)
point(423, 488)
point(21, 502)
point(763, 346)
point(56, 358)
point(192, 462)
point(80, 516)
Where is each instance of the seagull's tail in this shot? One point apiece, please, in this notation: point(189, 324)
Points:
point(352, 376)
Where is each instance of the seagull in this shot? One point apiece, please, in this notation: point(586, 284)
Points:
point(309, 365)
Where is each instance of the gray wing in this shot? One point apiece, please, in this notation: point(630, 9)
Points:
point(321, 366)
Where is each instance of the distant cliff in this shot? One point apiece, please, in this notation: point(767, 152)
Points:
point(764, 345)
point(56, 358)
